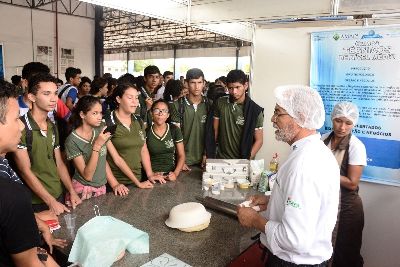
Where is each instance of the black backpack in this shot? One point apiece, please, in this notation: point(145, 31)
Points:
point(63, 90)
point(29, 135)
point(181, 109)
point(29, 141)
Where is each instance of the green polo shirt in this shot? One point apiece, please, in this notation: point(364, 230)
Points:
point(162, 148)
point(76, 146)
point(194, 122)
point(231, 122)
point(43, 163)
point(129, 143)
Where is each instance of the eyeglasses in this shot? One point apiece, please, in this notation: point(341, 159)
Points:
point(160, 111)
point(276, 115)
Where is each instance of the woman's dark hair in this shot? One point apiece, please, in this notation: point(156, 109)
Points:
point(139, 81)
point(126, 78)
point(84, 105)
point(159, 101)
point(112, 82)
point(84, 80)
point(96, 85)
point(120, 91)
point(173, 88)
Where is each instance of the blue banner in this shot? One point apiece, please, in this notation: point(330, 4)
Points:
point(363, 66)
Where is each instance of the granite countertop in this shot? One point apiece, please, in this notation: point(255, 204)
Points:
point(147, 210)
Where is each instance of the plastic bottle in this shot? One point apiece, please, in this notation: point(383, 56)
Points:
point(263, 185)
point(273, 164)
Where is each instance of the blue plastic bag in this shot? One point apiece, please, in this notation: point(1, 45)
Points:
point(100, 240)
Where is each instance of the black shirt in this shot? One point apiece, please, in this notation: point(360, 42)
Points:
point(7, 171)
point(18, 228)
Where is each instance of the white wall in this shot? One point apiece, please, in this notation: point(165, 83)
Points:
point(15, 33)
point(282, 56)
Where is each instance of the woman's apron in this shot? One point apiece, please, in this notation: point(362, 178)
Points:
point(347, 236)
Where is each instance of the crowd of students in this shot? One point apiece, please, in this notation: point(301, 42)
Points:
point(84, 138)
point(63, 143)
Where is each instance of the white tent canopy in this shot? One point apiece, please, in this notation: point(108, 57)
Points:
point(234, 18)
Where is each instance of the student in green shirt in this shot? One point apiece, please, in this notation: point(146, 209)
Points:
point(147, 92)
point(127, 151)
point(46, 173)
point(86, 147)
point(190, 114)
point(165, 142)
point(238, 121)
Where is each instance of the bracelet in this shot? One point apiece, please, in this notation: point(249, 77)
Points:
point(95, 150)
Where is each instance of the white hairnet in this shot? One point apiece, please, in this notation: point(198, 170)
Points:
point(347, 110)
point(303, 104)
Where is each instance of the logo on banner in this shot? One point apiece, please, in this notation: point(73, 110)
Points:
point(336, 37)
point(371, 35)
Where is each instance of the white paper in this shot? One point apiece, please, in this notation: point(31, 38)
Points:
point(165, 260)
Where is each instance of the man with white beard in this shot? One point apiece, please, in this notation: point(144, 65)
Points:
point(296, 223)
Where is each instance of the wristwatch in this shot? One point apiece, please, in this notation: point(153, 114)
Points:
point(42, 254)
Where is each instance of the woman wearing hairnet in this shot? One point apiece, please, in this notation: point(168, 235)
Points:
point(351, 156)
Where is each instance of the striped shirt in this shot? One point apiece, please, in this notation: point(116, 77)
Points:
point(7, 171)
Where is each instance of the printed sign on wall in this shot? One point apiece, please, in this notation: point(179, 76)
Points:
point(363, 66)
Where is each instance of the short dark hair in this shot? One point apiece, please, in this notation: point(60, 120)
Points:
point(84, 104)
point(33, 83)
point(215, 91)
point(236, 76)
point(139, 81)
point(71, 72)
point(126, 78)
point(84, 80)
point(33, 68)
point(96, 85)
point(7, 90)
point(173, 88)
point(151, 70)
point(167, 73)
point(107, 76)
point(112, 81)
point(222, 79)
point(16, 79)
point(194, 73)
point(60, 81)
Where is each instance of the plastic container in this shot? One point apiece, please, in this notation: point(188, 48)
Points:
point(263, 184)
